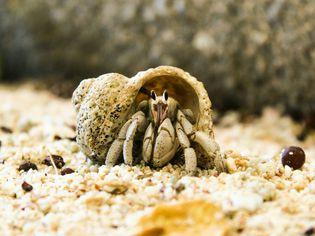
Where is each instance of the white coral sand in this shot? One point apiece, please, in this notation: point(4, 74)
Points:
point(258, 196)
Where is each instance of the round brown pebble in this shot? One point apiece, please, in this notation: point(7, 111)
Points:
point(27, 187)
point(66, 171)
point(58, 160)
point(293, 157)
point(26, 166)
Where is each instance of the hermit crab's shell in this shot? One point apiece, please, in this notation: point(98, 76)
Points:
point(105, 103)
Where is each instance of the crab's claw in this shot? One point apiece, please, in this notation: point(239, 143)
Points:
point(165, 144)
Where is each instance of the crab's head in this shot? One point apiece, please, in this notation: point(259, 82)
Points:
point(162, 107)
point(159, 107)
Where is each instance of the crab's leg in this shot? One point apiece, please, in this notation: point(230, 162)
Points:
point(187, 126)
point(165, 144)
point(204, 140)
point(211, 148)
point(189, 115)
point(116, 147)
point(148, 143)
point(189, 153)
point(138, 124)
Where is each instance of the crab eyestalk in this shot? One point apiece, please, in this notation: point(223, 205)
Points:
point(159, 107)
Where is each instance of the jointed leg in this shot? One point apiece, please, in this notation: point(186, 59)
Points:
point(189, 115)
point(187, 126)
point(117, 146)
point(138, 124)
point(114, 152)
point(148, 143)
point(211, 148)
point(189, 153)
point(206, 142)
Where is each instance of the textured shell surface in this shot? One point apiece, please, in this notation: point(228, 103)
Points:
point(105, 103)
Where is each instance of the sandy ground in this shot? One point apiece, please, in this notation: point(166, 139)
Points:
point(257, 197)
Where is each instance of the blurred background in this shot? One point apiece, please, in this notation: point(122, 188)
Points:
point(249, 54)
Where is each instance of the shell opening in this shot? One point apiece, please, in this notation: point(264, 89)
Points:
point(176, 87)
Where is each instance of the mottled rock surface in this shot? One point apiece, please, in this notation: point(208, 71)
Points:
point(249, 53)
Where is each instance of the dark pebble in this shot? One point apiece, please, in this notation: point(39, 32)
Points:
point(5, 129)
point(57, 137)
point(309, 232)
point(72, 139)
point(26, 166)
point(179, 187)
point(293, 157)
point(66, 171)
point(27, 187)
point(58, 160)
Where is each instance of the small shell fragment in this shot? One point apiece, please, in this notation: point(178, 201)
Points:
point(196, 217)
point(116, 187)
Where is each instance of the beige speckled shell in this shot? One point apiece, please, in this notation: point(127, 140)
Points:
point(105, 103)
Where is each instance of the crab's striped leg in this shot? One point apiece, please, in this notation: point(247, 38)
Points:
point(205, 141)
point(116, 147)
point(137, 121)
point(211, 148)
point(189, 153)
point(148, 140)
point(138, 124)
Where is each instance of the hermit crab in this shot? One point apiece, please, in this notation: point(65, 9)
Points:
point(157, 115)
